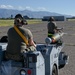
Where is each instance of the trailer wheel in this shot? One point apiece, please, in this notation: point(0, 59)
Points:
point(54, 71)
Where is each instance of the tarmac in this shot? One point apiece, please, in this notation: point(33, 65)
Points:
point(39, 32)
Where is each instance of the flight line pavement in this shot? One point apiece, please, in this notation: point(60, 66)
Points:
point(40, 33)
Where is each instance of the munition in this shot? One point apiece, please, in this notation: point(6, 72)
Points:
point(54, 38)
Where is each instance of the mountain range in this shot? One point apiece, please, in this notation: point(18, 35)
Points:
point(6, 13)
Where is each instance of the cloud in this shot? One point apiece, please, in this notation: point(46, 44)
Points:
point(36, 9)
point(23, 8)
point(42, 9)
point(6, 7)
point(29, 8)
point(20, 8)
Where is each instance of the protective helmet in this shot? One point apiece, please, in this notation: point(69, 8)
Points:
point(19, 16)
point(51, 19)
point(19, 20)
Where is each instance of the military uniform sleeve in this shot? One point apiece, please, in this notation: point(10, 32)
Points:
point(55, 26)
point(30, 34)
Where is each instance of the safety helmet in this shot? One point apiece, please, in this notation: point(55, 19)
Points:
point(51, 19)
point(19, 20)
point(19, 16)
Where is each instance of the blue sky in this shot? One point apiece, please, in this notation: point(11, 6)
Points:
point(59, 6)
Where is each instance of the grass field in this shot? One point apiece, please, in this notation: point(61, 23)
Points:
point(71, 19)
point(6, 22)
point(11, 22)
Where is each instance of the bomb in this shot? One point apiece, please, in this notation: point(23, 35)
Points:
point(54, 38)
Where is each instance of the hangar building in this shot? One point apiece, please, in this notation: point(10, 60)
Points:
point(57, 18)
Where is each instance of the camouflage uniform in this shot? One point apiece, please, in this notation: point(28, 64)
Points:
point(51, 26)
point(16, 43)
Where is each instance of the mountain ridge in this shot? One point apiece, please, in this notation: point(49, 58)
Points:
point(6, 13)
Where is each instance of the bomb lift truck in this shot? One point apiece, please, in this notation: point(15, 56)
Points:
point(47, 60)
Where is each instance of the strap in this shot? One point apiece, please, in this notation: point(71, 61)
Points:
point(22, 36)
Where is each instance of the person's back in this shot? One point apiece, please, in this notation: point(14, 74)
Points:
point(15, 42)
point(51, 27)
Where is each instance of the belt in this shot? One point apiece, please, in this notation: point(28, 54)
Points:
point(50, 34)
